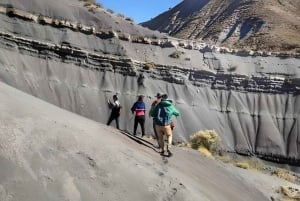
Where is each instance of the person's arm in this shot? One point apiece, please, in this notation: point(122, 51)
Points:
point(133, 108)
point(175, 112)
point(152, 111)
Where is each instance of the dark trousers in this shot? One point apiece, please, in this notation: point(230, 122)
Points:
point(111, 118)
point(139, 120)
point(155, 132)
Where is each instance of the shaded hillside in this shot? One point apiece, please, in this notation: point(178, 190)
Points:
point(50, 154)
point(69, 59)
point(258, 25)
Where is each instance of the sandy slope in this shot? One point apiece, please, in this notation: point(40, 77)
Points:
point(47, 153)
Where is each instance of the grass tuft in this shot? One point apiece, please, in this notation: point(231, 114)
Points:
point(207, 142)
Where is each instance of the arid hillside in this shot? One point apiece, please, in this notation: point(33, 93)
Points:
point(250, 24)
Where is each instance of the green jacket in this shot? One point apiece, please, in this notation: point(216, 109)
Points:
point(163, 112)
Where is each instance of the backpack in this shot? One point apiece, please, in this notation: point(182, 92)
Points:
point(162, 117)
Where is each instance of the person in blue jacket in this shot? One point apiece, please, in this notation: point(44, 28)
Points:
point(139, 108)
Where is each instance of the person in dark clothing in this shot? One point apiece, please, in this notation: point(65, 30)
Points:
point(156, 102)
point(139, 109)
point(115, 111)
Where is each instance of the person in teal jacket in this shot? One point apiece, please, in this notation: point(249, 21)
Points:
point(162, 115)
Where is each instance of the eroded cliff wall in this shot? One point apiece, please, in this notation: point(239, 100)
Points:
point(251, 101)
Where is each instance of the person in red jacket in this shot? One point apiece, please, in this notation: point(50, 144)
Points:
point(139, 108)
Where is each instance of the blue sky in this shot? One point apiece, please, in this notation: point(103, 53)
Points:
point(139, 10)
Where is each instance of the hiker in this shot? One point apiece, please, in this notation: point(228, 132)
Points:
point(139, 108)
point(162, 114)
point(156, 102)
point(115, 111)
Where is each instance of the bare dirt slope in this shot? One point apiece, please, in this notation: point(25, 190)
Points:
point(47, 153)
point(259, 25)
point(62, 53)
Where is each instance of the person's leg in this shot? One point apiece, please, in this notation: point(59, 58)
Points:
point(109, 120)
point(160, 135)
point(117, 123)
point(168, 131)
point(135, 125)
point(154, 129)
point(142, 123)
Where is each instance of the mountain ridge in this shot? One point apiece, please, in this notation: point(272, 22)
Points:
point(249, 24)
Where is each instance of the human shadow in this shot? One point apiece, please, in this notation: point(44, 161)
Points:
point(139, 140)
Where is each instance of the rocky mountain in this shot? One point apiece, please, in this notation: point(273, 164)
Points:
point(76, 55)
point(250, 24)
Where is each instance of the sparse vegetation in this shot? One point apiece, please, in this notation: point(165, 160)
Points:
point(243, 165)
point(207, 142)
point(176, 54)
point(129, 19)
point(90, 1)
point(284, 174)
point(231, 68)
point(110, 11)
point(120, 15)
point(148, 65)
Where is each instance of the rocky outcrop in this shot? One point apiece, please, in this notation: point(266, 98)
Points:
point(107, 34)
point(250, 24)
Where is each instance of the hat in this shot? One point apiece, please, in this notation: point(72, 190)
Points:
point(158, 95)
point(115, 97)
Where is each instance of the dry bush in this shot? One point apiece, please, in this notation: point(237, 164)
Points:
point(243, 165)
point(90, 1)
point(284, 174)
point(129, 19)
point(110, 11)
point(206, 141)
point(148, 65)
point(120, 15)
point(175, 55)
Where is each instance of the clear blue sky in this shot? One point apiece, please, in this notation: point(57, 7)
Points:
point(139, 10)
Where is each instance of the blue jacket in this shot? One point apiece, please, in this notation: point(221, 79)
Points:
point(139, 108)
